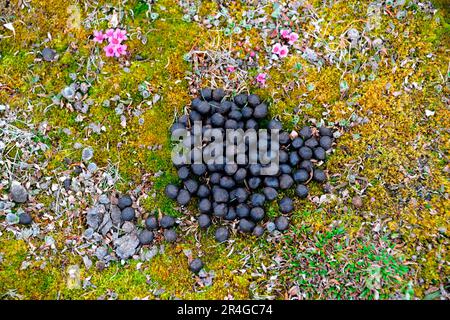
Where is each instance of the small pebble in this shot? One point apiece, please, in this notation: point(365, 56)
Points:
point(18, 193)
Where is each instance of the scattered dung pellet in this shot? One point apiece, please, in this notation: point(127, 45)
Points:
point(286, 205)
point(170, 235)
point(128, 214)
point(196, 265)
point(282, 223)
point(146, 237)
point(222, 234)
point(25, 218)
point(167, 222)
point(125, 201)
point(151, 223)
point(204, 221)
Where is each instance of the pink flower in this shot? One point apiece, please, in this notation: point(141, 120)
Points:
point(110, 50)
point(231, 69)
point(115, 41)
point(293, 37)
point(109, 33)
point(252, 54)
point(120, 49)
point(98, 36)
point(120, 34)
point(283, 52)
point(285, 33)
point(276, 48)
point(261, 78)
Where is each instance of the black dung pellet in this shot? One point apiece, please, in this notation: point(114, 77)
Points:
point(246, 225)
point(222, 234)
point(301, 191)
point(257, 214)
point(125, 201)
point(196, 265)
point(167, 222)
point(145, 237)
point(270, 193)
point(151, 223)
point(171, 191)
point(253, 100)
point(281, 223)
point(204, 221)
point(128, 214)
point(286, 205)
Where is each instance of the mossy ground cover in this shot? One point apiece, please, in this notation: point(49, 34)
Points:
point(392, 154)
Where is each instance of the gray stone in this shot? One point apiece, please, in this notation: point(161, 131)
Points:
point(68, 93)
point(12, 218)
point(126, 245)
point(94, 217)
point(87, 153)
point(87, 262)
point(353, 34)
point(18, 193)
point(147, 255)
point(106, 224)
point(116, 215)
point(103, 199)
point(88, 233)
point(310, 55)
point(92, 167)
point(76, 186)
point(97, 237)
point(271, 227)
point(48, 54)
point(128, 227)
point(101, 252)
point(377, 43)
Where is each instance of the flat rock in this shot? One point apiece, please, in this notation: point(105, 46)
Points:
point(106, 224)
point(103, 199)
point(126, 245)
point(94, 217)
point(128, 227)
point(101, 252)
point(147, 255)
point(48, 54)
point(115, 213)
